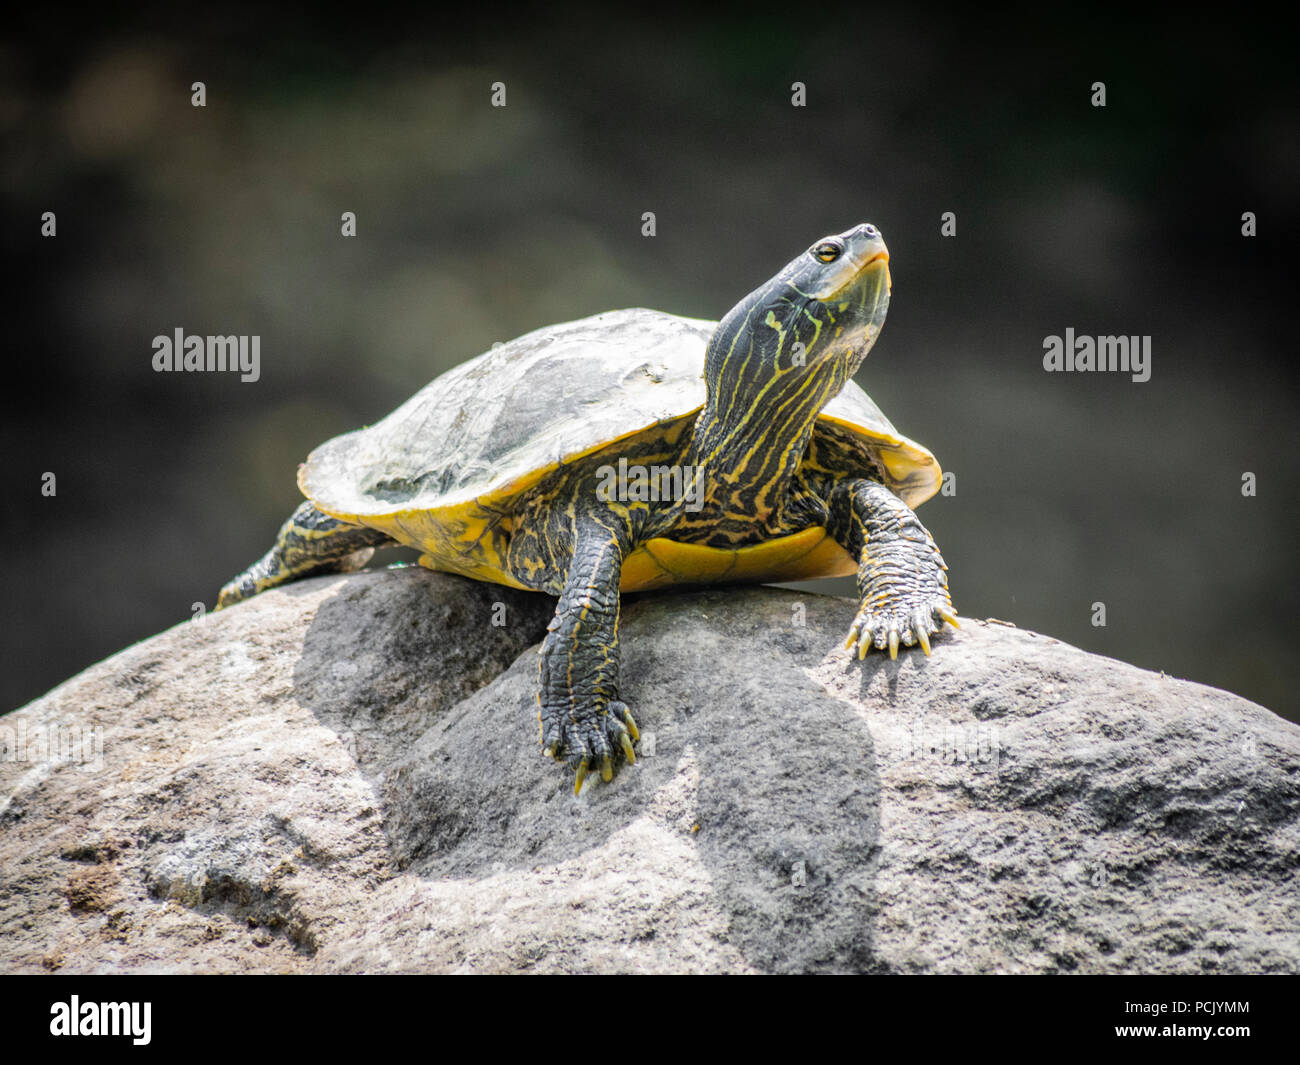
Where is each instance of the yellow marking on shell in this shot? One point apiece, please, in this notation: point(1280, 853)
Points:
point(455, 538)
point(810, 553)
point(912, 469)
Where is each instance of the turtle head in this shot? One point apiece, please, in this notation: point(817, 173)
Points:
point(777, 358)
point(785, 350)
point(806, 330)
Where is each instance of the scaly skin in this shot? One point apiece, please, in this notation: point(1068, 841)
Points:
point(579, 713)
point(581, 541)
point(308, 543)
point(902, 578)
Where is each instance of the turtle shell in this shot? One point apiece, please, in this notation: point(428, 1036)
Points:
point(434, 471)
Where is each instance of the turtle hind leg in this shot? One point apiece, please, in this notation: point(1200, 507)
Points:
point(310, 542)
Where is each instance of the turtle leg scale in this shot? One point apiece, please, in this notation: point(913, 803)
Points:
point(580, 715)
point(902, 578)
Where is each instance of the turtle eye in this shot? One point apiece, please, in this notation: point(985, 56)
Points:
point(828, 250)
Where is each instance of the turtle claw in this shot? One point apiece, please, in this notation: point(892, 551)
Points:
point(589, 740)
point(860, 636)
point(889, 626)
point(862, 633)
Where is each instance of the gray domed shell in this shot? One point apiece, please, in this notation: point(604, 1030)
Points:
point(547, 397)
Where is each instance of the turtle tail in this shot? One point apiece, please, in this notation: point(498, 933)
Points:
point(309, 543)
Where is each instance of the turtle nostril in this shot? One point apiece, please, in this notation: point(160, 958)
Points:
point(870, 230)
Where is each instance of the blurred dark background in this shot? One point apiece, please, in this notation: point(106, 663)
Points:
point(477, 224)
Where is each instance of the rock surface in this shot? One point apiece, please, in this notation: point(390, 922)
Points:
point(343, 776)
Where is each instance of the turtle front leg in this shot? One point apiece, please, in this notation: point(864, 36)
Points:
point(578, 708)
point(902, 579)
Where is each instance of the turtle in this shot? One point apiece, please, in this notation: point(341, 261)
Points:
point(635, 450)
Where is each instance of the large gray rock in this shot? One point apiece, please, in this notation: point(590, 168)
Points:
point(344, 776)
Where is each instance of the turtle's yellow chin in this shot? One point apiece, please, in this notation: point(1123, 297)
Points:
point(867, 288)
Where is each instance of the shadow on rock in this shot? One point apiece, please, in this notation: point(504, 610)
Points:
point(766, 782)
